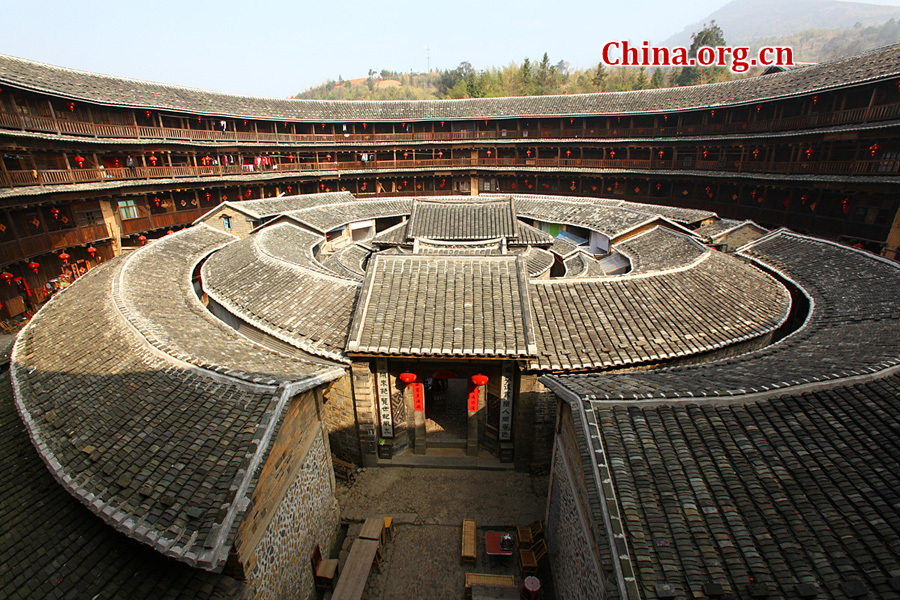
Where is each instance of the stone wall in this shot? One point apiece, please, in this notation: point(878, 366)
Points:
point(340, 419)
point(241, 224)
point(576, 573)
point(292, 509)
point(534, 425)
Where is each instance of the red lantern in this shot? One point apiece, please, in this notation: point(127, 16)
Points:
point(706, 154)
point(616, 185)
point(365, 125)
point(289, 188)
point(328, 157)
point(291, 157)
point(488, 153)
point(810, 152)
point(666, 118)
point(440, 154)
point(815, 100)
point(612, 153)
point(247, 194)
point(568, 153)
point(321, 186)
point(658, 186)
point(152, 160)
point(845, 205)
point(661, 153)
point(407, 377)
point(142, 239)
point(71, 106)
point(8, 277)
point(758, 107)
point(756, 153)
point(804, 198)
point(34, 266)
point(513, 186)
point(442, 123)
point(198, 118)
point(92, 251)
point(156, 201)
point(406, 155)
point(546, 186)
point(208, 196)
point(80, 160)
point(873, 149)
point(64, 257)
point(713, 113)
point(147, 113)
point(528, 153)
point(55, 213)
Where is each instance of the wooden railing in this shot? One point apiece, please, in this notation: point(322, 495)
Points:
point(869, 166)
point(84, 128)
point(160, 220)
point(34, 245)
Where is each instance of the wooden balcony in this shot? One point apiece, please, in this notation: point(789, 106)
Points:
point(141, 132)
point(161, 220)
point(34, 245)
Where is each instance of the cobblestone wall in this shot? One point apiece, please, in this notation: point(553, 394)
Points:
point(575, 574)
point(340, 420)
point(308, 515)
point(535, 420)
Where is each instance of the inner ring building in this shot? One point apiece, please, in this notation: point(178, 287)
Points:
point(682, 304)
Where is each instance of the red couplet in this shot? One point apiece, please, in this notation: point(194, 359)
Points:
point(473, 398)
point(418, 392)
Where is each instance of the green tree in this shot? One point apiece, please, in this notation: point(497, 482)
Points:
point(526, 78)
point(642, 82)
point(600, 77)
point(711, 35)
point(658, 80)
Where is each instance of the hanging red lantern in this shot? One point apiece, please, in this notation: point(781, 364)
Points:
point(661, 154)
point(34, 267)
point(442, 123)
point(479, 379)
point(571, 120)
point(810, 152)
point(612, 153)
point(406, 155)
point(55, 213)
point(407, 377)
point(321, 186)
point(873, 149)
point(323, 124)
point(758, 107)
point(404, 182)
point(488, 153)
point(7, 277)
point(92, 251)
point(147, 113)
point(845, 205)
point(365, 125)
point(803, 199)
point(440, 154)
point(80, 160)
point(247, 194)
point(528, 153)
point(616, 185)
point(71, 106)
point(63, 256)
point(513, 185)
point(142, 239)
point(328, 157)
point(756, 153)
point(365, 185)
point(152, 160)
point(291, 157)
point(208, 196)
point(568, 153)
point(815, 100)
point(666, 118)
point(156, 201)
point(658, 186)
point(198, 118)
point(289, 188)
point(713, 113)
point(706, 154)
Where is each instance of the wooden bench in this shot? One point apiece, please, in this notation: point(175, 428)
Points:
point(469, 541)
point(488, 579)
point(342, 469)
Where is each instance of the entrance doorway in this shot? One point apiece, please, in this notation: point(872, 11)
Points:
point(446, 416)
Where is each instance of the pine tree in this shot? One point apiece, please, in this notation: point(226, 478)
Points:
point(600, 77)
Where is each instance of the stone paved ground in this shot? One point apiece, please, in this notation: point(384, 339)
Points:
point(423, 560)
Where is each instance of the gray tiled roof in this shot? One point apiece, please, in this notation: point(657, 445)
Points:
point(562, 248)
point(801, 489)
point(54, 547)
point(299, 305)
point(160, 451)
point(349, 261)
point(392, 236)
point(292, 245)
point(443, 306)
point(102, 89)
point(267, 207)
point(604, 217)
point(537, 261)
point(532, 236)
point(576, 265)
point(462, 219)
point(478, 248)
point(717, 226)
point(852, 328)
point(326, 217)
point(618, 321)
point(659, 249)
point(172, 318)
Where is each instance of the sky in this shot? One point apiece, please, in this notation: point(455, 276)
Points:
point(278, 48)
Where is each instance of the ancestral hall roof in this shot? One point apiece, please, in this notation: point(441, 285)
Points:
point(446, 306)
point(462, 220)
point(118, 91)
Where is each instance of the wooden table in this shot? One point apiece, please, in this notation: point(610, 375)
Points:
point(373, 529)
point(492, 544)
point(355, 571)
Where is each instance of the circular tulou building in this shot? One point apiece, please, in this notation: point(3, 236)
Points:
point(649, 296)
